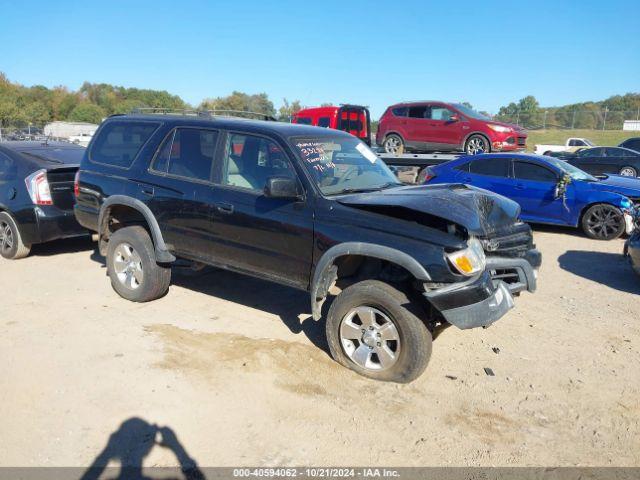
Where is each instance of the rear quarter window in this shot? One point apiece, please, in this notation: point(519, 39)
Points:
point(118, 143)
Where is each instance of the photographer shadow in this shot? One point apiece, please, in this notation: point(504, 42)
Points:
point(130, 444)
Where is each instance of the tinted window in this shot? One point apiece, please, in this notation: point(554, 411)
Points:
point(419, 111)
point(613, 152)
point(592, 152)
point(303, 120)
point(192, 153)
point(5, 163)
point(629, 153)
point(249, 161)
point(577, 143)
point(324, 122)
point(632, 143)
point(400, 111)
point(162, 157)
point(119, 142)
point(496, 167)
point(441, 113)
point(530, 171)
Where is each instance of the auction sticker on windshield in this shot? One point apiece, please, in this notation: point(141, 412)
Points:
point(366, 152)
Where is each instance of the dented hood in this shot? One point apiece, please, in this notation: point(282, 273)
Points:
point(481, 212)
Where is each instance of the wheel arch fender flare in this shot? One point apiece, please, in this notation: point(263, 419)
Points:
point(161, 250)
point(325, 271)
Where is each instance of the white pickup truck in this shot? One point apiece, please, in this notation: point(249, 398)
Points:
point(571, 145)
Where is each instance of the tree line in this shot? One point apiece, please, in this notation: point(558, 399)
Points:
point(38, 105)
point(607, 114)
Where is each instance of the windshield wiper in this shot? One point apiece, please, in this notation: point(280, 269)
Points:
point(384, 186)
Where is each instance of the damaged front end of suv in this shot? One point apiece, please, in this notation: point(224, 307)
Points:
point(494, 257)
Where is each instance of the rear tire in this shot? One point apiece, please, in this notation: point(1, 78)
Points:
point(477, 144)
point(371, 330)
point(603, 222)
point(628, 172)
point(393, 144)
point(132, 267)
point(11, 245)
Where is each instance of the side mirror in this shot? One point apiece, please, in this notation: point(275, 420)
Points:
point(282, 187)
point(454, 118)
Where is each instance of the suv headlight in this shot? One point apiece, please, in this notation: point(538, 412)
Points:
point(471, 260)
point(499, 128)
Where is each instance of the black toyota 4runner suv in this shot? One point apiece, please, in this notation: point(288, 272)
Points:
point(311, 208)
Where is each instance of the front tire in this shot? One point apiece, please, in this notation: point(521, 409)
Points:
point(628, 172)
point(603, 222)
point(11, 245)
point(372, 330)
point(393, 144)
point(477, 144)
point(132, 267)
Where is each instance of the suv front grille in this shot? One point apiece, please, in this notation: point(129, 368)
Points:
point(514, 243)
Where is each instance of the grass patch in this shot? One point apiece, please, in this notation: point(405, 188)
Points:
point(559, 137)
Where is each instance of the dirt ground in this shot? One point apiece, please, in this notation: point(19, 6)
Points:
point(228, 370)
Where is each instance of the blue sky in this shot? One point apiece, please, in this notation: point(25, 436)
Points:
point(374, 53)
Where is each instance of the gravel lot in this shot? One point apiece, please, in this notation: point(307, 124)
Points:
point(238, 371)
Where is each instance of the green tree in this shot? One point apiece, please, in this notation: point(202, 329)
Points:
point(240, 101)
point(288, 110)
point(87, 112)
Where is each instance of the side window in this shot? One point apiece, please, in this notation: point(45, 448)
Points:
point(613, 152)
point(118, 143)
point(593, 152)
point(574, 143)
point(191, 153)
point(440, 113)
point(254, 162)
point(324, 122)
point(5, 162)
point(629, 153)
point(495, 167)
point(400, 111)
point(531, 171)
point(303, 120)
point(419, 111)
point(161, 161)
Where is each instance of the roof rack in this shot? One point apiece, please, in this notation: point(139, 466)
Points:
point(204, 113)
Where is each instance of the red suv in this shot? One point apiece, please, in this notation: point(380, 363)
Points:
point(353, 119)
point(438, 126)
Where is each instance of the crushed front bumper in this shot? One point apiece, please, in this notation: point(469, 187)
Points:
point(483, 300)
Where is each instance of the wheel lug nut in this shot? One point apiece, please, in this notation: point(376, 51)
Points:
point(363, 330)
point(379, 344)
point(371, 327)
point(378, 334)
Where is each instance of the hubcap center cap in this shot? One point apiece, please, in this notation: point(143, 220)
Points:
point(369, 338)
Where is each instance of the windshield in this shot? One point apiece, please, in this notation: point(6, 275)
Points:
point(343, 165)
point(574, 172)
point(589, 142)
point(470, 112)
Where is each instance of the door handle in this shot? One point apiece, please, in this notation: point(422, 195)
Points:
point(148, 191)
point(225, 208)
point(519, 186)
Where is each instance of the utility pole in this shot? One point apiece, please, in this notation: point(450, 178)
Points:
point(573, 120)
point(544, 122)
point(604, 121)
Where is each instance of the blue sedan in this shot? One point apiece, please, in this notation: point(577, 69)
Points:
point(549, 190)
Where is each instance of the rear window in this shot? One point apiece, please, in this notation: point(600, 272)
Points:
point(531, 171)
point(188, 153)
point(400, 111)
point(324, 122)
point(495, 167)
point(303, 120)
point(118, 143)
